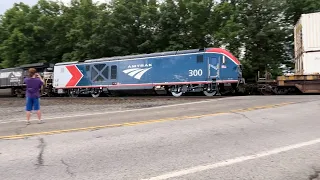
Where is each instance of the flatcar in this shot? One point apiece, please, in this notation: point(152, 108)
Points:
point(209, 70)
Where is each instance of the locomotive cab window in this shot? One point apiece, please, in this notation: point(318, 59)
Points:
point(94, 73)
point(200, 59)
point(214, 61)
point(114, 72)
point(99, 72)
point(105, 72)
point(240, 67)
point(99, 66)
point(223, 59)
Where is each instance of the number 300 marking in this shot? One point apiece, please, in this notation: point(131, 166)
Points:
point(195, 72)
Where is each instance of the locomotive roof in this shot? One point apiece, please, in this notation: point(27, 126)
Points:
point(115, 58)
point(10, 69)
point(146, 55)
point(127, 57)
point(36, 65)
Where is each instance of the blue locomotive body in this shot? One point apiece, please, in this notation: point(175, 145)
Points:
point(176, 70)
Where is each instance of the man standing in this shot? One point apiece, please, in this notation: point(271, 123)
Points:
point(34, 83)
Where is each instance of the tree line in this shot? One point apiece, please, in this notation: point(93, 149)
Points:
point(258, 32)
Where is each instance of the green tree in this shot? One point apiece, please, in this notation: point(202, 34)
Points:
point(133, 25)
point(227, 27)
point(80, 19)
point(29, 31)
point(170, 35)
point(292, 11)
point(263, 36)
point(3, 35)
point(15, 25)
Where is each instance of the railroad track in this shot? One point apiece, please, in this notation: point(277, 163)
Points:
point(84, 101)
point(128, 97)
point(124, 98)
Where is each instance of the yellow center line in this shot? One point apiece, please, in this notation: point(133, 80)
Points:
point(20, 136)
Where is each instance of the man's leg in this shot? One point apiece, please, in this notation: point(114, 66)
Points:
point(28, 109)
point(28, 115)
point(37, 108)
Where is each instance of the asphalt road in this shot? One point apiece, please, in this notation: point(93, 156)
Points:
point(271, 143)
point(81, 120)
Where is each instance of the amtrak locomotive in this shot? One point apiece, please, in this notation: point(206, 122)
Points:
point(211, 71)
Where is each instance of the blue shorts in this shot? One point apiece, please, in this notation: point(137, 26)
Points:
point(33, 104)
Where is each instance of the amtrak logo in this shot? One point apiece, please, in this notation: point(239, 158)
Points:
point(137, 71)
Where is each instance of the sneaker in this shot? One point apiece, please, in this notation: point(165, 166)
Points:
point(40, 122)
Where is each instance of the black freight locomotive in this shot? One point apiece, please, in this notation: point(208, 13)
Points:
point(13, 78)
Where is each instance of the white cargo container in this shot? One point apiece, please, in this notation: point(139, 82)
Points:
point(307, 34)
point(308, 63)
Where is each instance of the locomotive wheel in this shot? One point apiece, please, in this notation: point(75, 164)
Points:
point(266, 90)
point(19, 93)
point(20, 96)
point(210, 93)
point(176, 94)
point(95, 95)
point(72, 94)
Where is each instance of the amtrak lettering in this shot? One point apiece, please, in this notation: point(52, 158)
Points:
point(138, 70)
point(139, 66)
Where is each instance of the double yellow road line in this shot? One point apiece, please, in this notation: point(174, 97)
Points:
point(21, 136)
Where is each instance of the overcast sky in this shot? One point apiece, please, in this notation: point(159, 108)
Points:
point(7, 4)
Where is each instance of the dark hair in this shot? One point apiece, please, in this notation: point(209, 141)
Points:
point(32, 71)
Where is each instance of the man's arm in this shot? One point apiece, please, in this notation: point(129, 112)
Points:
point(42, 82)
